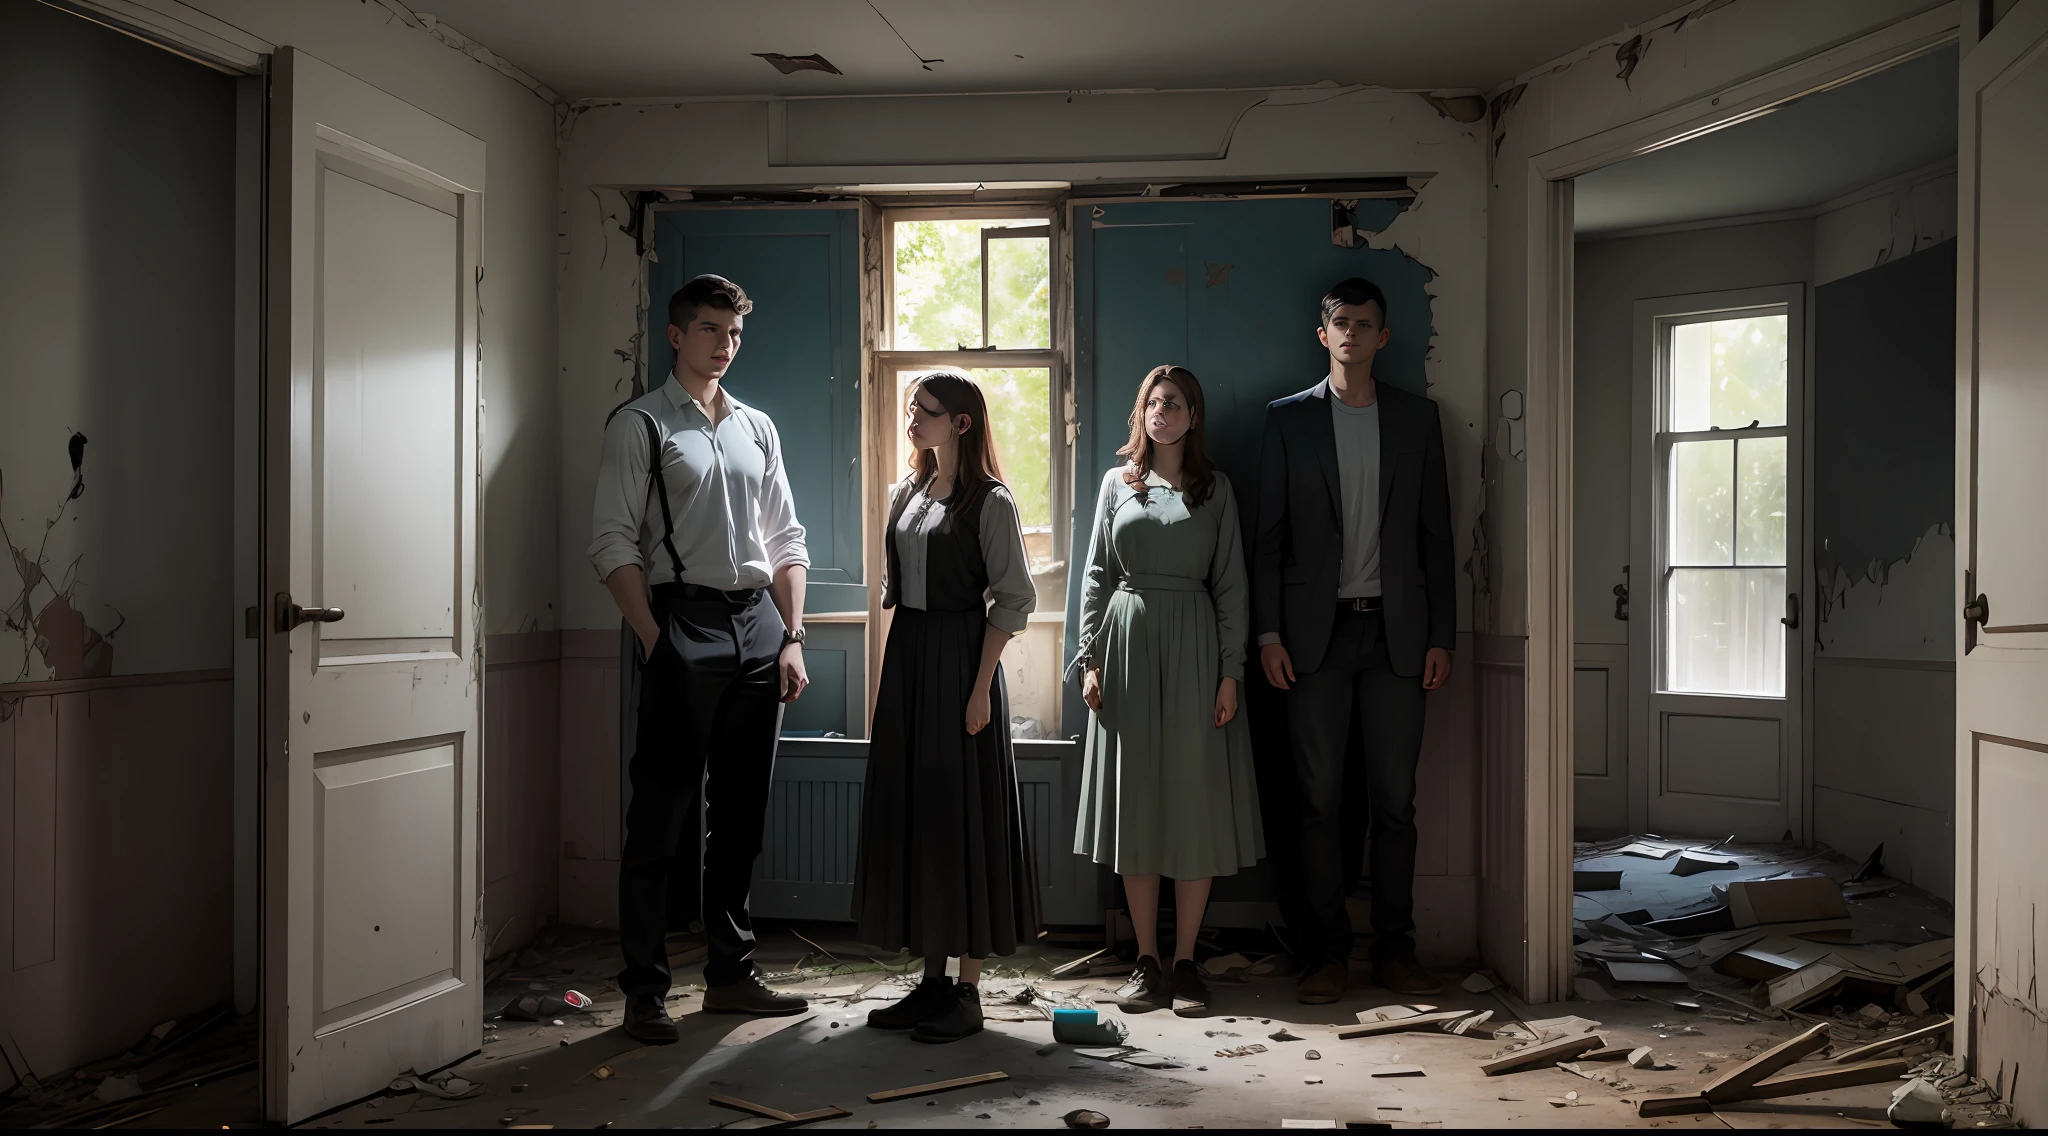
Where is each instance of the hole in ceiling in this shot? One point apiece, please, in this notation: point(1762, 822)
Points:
point(790, 64)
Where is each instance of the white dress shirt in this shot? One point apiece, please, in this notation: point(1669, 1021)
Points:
point(728, 494)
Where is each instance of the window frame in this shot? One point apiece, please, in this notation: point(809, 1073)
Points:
point(881, 416)
point(1660, 318)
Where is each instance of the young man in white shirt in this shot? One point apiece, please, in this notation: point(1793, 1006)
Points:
point(696, 536)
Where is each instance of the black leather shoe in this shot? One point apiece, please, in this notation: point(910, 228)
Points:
point(647, 1020)
point(1190, 992)
point(1149, 989)
point(751, 996)
point(932, 996)
point(962, 1018)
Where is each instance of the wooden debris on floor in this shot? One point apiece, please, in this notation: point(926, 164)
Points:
point(935, 1087)
point(829, 1112)
point(1885, 1045)
point(1729, 1085)
point(1821, 1079)
point(1543, 1053)
point(1430, 1020)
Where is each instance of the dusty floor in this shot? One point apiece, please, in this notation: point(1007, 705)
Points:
point(576, 1070)
point(586, 1074)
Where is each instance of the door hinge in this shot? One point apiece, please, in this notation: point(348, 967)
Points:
point(252, 622)
point(290, 615)
point(1791, 617)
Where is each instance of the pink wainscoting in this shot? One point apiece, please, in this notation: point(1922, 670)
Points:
point(590, 778)
point(1502, 825)
point(522, 786)
point(1447, 819)
point(116, 860)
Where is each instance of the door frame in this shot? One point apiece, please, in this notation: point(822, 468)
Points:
point(191, 34)
point(1546, 218)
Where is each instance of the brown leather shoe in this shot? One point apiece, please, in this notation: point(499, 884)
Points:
point(1322, 985)
point(1405, 976)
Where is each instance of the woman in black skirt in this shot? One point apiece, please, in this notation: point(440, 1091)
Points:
point(944, 870)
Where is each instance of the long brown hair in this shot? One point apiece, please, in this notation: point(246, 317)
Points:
point(1198, 476)
point(980, 465)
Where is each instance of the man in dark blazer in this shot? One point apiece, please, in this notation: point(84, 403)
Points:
point(1353, 606)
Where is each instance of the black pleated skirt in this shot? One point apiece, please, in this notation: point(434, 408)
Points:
point(945, 866)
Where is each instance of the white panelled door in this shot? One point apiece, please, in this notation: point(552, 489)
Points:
point(371, 789)
point(2002, 533)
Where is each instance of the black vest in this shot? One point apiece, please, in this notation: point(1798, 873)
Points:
point(956, 574)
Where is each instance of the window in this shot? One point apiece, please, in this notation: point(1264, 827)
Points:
point(974, 291)
point(1723, 442)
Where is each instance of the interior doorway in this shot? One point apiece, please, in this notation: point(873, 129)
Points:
point(1762, 680)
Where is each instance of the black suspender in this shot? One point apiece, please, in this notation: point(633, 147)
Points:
point(668, 522)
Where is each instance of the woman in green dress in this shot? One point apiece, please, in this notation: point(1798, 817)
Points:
point(1167, 788)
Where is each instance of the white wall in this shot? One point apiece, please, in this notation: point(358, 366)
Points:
point(517, 294)
point(116, 323)
point(1611, 275)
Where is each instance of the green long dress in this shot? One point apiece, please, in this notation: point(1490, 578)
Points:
point(1164, 614)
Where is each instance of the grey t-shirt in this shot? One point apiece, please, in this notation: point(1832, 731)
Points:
point(1358, 480)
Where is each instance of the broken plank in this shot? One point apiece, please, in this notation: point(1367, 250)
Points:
point(1726, 1086)
point(1672, 1106)
point(1885, 1044)
point(829, 1112)
point(1401, 1025)
point(1544, 1053)
point(1824, 1079)
point(935, 1087)
point(739, 1105)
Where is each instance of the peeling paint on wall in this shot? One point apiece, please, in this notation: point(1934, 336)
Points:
point(1890, 609)
point(43, 610)
point(433, 26)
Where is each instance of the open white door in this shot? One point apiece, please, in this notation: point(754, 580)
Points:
point(2002, 529)
point(371, 659)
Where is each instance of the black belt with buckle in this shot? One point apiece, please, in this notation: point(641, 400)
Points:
point(738, 599)
point(1362, 603)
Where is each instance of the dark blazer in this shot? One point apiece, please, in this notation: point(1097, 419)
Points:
point(1300, 538)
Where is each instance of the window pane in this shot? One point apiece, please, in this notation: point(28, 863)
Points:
point(1722, 631)
point(1727, 373)
point(938, 284)
point(1702, 505)
point(1760, 501)
point(1020, 292)
point(1021, 414)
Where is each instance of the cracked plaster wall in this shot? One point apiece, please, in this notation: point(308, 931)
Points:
point(612, 150)
point(116, 374)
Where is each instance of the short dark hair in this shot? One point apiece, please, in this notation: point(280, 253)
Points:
point(708, 291)
point(1356, 290)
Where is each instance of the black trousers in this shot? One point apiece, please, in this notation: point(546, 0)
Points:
point(1356, 683)
point(710, 713)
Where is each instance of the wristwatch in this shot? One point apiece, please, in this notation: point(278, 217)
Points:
point(796, 636)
